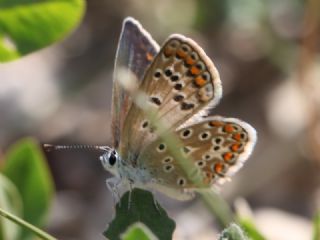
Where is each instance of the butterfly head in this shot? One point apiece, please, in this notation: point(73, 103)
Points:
point(111, 161)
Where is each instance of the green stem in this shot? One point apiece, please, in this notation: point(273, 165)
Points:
point(41, 234)
point(218, 207)
point(316, 226)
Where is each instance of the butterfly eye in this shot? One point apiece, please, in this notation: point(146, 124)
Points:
point(112, 158)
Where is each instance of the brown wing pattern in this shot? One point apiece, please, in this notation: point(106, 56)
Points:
point(181, 82)
point(218, 146)
point(135, 52)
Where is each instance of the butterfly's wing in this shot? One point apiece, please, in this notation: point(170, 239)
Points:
point(180, 83)
point(136, 50)
point(218, 147)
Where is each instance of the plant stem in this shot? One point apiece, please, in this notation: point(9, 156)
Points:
point(41, 234)
point(218, 207)
point(316, 226)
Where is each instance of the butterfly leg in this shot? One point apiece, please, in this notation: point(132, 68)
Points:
point(187, 195)
point(156, 204)
point(130, 183)
point(112, 185)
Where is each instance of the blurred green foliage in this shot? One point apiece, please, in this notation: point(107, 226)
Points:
point(10, 199)
point(26, 168)
point(29, 25)
point(210, 14)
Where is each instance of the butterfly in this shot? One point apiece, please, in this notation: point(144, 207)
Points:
point(181, 85)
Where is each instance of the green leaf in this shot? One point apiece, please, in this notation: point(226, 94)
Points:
point(29, 25)
point(10, 200)
point(142, 208)
point(26, 167)
point(316, 226)
point(251, 230)
point(233, 232)
point(138, 231)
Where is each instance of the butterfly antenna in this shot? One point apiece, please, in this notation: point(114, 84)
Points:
point(51, 147)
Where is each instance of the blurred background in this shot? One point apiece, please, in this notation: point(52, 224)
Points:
point(267, 53)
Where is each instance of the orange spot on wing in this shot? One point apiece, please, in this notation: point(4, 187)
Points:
point(200, 81)
point(189, 60)
point(181, 54)
point(237, 136)
point(236, 147)
point(194, 70)
point(215, 124)
point(228, 128)
point(228, 156)
point(219, 168)
point(168, 52)
point(149, 56)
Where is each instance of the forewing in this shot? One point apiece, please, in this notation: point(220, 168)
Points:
point(181, 83)
point(136, 50)
point(218, 147)
point(185, 81)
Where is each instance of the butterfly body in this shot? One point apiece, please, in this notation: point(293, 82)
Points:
point(123, 170)
point(179, 84)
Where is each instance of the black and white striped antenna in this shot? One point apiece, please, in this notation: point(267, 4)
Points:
point(51, 147)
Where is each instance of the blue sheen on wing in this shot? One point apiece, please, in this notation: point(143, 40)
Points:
point(135, 52)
